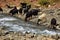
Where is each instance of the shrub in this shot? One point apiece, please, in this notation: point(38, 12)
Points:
point(44, 2)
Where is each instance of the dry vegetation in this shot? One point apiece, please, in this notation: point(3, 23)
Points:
point(17, 2)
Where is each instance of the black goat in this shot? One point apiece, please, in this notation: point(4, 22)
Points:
point(27, 8)
point(23, 5)
point(14, 11)
point(1, 9)
point(31, 13)
point(53, 23)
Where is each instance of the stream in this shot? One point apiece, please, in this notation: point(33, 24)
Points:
point(15, 24)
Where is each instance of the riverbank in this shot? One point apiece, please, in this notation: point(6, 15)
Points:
point(11, 35)
point(50, 13)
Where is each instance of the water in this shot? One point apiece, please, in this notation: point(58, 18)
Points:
point(15, 24)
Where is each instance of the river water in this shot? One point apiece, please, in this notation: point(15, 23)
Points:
point(15, 24)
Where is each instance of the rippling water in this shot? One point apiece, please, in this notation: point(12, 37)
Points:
point(15, 24)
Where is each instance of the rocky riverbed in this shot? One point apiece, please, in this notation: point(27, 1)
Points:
point(11, 35)
point(30, 29)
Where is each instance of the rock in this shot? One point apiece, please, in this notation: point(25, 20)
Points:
point(7, 39)
point(12, 39)
point(30, 35)
point(49, 11)
point(11, 32)
point(50, 39)
point(58, 9)
point(58, 39)
point(55, 37)
point(58, 13)
point(39, 37)
point(44, 38)
point(58, 27)
point(3, 32)
point(27, 32)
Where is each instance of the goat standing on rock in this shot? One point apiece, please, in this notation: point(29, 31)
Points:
point(24, 8)
point(33, 12)
point(23, 5)
point(27, 8)
point(54, 24)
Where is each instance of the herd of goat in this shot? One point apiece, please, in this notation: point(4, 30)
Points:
point(25, 9)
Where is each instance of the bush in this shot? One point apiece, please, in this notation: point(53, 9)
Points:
point(44, 2)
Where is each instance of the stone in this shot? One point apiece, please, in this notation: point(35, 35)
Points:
point(7, 39)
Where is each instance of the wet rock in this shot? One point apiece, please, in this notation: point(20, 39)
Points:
point(55, 37)
point(50, 39)
point(58, 9)
point(11, 32)
point(10, 35)
point(30, 35)
point(27, 32)
point(6, 33)
point(58, 39)
point(58, 27)
point(44, 38)
point(39, 37)
point(12, 39)
point(49, 11)
point(7, 39)
point(2, 32)
point(4, 28)
point(58, 13)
